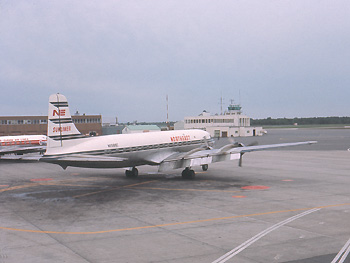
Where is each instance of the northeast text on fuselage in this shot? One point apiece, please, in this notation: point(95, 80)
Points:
point(182, 138)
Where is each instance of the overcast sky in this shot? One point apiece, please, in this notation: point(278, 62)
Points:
point(287, 58)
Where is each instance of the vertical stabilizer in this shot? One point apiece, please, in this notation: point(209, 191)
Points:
point(60, 125)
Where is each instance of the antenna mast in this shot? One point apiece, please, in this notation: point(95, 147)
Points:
point(240, 103)
point(221, 102)
point(167, 112)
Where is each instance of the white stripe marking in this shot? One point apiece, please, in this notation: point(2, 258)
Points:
point(249, 242)
point(345, 250)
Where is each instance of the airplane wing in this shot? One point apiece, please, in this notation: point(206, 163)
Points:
point(225, 153)
point(22, 149)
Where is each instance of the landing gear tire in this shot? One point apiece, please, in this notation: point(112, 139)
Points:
point(133, 173)
point(188, 174)
point(205, 167)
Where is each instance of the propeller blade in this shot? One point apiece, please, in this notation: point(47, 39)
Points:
point(240, 160)
point(253, 143)
point(231, 140)
point(207, 143)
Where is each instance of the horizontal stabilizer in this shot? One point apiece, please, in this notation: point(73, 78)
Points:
point(83, 160)
point(22, 158)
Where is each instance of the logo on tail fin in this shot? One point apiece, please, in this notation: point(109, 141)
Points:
point(60, 123)
point(59, 113)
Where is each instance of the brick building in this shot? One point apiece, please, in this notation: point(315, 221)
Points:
point(28, 125)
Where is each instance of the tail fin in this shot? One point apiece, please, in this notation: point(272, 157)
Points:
point(60, 126)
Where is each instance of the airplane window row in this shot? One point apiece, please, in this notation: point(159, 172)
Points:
point(86, 120)
point(14, 143)
point(155, 146)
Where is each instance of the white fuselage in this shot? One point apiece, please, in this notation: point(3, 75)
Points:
point(137, 149)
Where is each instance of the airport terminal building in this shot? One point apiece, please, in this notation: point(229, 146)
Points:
point(32, 125)
point(230, 124)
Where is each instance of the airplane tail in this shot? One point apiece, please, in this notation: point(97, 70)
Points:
point(60, 125)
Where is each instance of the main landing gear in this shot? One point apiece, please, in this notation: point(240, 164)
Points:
point(132, 173)
point(188, 174)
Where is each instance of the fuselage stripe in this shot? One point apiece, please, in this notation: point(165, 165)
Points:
point(60, 104)
point(135, 148)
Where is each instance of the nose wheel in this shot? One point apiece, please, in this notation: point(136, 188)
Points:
point(188, 174)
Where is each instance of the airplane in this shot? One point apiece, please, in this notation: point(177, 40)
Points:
point(21, 144)
point(66, 146)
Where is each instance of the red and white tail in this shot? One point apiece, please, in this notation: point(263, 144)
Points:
point(60, 125)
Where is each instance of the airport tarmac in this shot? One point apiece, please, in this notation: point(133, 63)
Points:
point(290, 205)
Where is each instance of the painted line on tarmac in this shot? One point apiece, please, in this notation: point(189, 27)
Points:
point(46, 183)
point(255, 187)
point(343, 253)
point(53, 182)
point(190, 190)
point(169, 224)
point(255, 238)
point(112, 189)
point(66, 183)
point(18, 187)
point(74, 185)
point(40, 179)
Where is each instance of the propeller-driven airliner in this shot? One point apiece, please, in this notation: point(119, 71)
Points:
point(66, 146)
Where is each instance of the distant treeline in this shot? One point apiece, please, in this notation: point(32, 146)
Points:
point(159, 124)
point(300, 121)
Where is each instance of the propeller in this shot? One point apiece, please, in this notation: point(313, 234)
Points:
point(207, 143)
point(239, 144)
point(234, 144)
point(240, 163)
